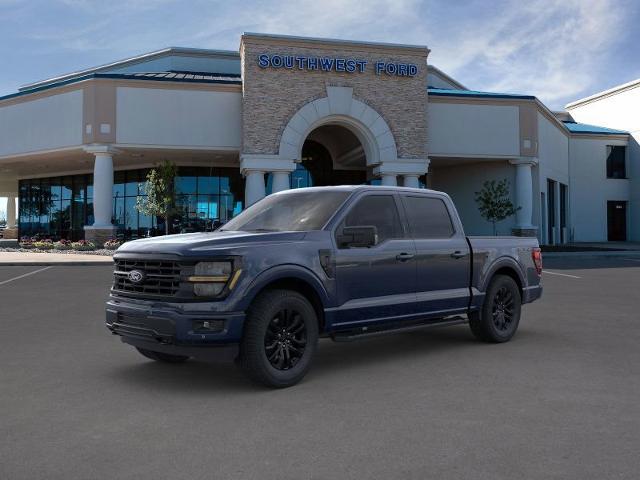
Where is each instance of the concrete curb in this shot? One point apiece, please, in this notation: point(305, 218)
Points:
point(616, 253)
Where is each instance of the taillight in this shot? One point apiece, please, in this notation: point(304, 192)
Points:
point(536, 256)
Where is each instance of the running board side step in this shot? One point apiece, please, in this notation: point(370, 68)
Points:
point(376, 331)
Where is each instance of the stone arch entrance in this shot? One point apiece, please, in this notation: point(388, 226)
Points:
point(332, 155)
point(339, 108)
point(334, 122)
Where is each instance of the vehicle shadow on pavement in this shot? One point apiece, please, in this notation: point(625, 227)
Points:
point(226, 377)
point(192, 376)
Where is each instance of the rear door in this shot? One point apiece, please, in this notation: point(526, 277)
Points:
point(375, 283)
point(442, 255)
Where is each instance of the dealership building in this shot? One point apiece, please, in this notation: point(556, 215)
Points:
point(288, 112)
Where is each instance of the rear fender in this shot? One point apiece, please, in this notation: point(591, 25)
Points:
point(489, 272)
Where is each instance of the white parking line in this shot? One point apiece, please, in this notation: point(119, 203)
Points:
point(25, 275)
point(561, 274)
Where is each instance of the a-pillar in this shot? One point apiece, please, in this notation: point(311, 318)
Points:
point(102, 229)
point(524, 196)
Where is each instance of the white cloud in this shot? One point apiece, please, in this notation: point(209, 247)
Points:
point(555, 50)
point(547, 48)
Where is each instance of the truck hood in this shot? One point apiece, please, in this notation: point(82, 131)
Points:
point(201, 243)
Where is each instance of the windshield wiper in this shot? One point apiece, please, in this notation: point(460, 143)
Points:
point(261, 230)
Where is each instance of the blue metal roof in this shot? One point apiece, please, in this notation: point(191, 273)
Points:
point(575, 127)
point(445, 92)
point(187, 77)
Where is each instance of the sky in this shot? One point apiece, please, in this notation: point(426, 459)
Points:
point(558, 50)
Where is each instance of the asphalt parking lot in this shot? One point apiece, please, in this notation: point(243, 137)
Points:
point(562, 400)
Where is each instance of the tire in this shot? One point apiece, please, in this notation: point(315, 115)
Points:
point(280, 338)
point(162, 357)
point(498, 319)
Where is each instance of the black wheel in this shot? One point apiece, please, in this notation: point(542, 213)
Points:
point(497, 320)
point(280, 338)
point(162, 357)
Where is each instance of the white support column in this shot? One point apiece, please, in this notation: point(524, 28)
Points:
point(11, 212)
point(389, 179)
point(253, 167)
point(280, 181)
point(558, 230)
point(254, 187)
point(411, 181)
point(409, 169)
point(524, 195)
point(102, 228)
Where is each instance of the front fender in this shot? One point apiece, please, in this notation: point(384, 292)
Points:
point(281, 272)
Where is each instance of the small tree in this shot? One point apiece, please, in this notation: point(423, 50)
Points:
point(160, 193)
point(494, 202)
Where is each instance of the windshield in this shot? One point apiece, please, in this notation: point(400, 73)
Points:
point(295, 211)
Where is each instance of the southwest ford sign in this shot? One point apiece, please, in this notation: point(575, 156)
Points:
point(334, 64)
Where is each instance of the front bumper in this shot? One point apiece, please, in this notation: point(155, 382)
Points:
point(172, 324)
point(214, 353)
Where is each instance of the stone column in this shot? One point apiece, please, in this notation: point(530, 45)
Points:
point(280, 181)
point(524, 196)
point(389, 179)
point(254, 187)
point(411, 181)
point(102, 228)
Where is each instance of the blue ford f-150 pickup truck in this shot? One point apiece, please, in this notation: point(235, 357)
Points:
point(339, 262)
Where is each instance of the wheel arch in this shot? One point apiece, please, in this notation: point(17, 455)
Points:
point(297, 279)
point(505, 266)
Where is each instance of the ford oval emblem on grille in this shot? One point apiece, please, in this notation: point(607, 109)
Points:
point(136, 276)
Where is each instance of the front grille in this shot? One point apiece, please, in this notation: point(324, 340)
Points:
point(162, 277)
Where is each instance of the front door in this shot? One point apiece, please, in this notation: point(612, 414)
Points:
point(617, 221)
point(375, 283)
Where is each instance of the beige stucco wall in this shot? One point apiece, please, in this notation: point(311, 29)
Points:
point(473, 129)
point(272, 96)
point(178, 117)
point(50, 122)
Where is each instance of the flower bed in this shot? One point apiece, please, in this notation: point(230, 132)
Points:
point(83, 245)
point(112, 244)
point(46, 245)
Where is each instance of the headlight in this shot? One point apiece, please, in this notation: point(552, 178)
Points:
point(210, 278)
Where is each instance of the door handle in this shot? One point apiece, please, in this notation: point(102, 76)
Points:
point(458, 254)
point(403, 257)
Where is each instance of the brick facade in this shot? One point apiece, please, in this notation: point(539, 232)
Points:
point(272, 96)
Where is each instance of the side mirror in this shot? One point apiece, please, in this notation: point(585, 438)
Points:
point(363, 236)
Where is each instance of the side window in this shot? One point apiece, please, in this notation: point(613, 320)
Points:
point(379, 211)
point(616, 161)
point(428, 217)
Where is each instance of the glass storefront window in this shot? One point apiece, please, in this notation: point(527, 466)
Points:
point(60, 207)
